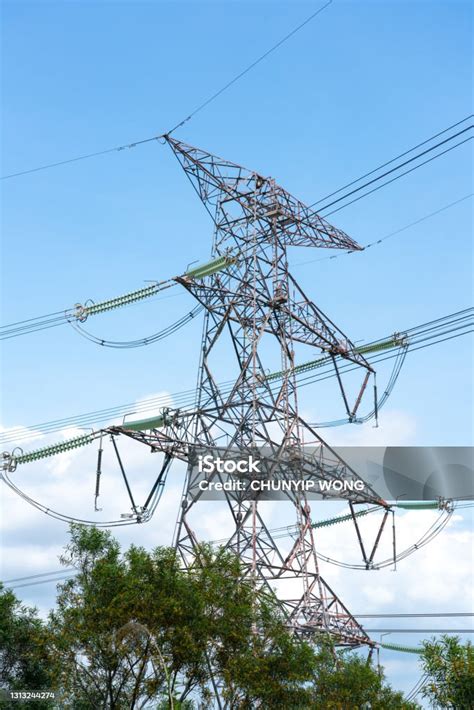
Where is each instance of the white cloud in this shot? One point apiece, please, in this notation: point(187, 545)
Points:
point(396, 428)
point(437, 577)
point(439, 574)
point(378, 594)
point(23, 435)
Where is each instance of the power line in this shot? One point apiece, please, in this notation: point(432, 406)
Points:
point(185, 399)
point(45, 322)
point(401, 615)
point(426, 538)
point(86, 156)
point(81, 313)
point(461, 319)
point(397, 167)
point(420, 631)
point(44, 577)
point(140, 342)
point(199, 108)
point(60, 317)
point(417, 688)
point(38, 581)
point(57, 318)
point(421, 337)
point(38, 575)
point(390, 234)
point(397, 177)
point(392, 160)
point(249, 68)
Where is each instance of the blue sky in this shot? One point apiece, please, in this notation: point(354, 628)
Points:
point(361, 83)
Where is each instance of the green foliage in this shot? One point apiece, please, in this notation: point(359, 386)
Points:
point(347, 681)
point(450, 668)
point(259, 663)
point(134, 629)
point(24, 658)
point(123, 626)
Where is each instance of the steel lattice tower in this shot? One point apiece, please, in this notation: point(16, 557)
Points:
point(258, 308)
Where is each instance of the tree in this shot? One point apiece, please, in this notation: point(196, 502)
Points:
point(449, 665)
point(345, 680)
point(134, 629)
point(258, 662)
point(24, 657)
point(123, 626)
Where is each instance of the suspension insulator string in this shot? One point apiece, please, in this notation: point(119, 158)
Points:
point(98, 475)
point(376, 406)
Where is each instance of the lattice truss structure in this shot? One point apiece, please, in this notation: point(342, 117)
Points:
point(256, 307)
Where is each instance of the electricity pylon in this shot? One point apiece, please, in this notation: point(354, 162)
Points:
point(256, 315)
